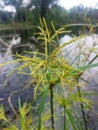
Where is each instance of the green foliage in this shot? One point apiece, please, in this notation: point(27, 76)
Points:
point(24, 119)
point(54, 79)
point(52, 11)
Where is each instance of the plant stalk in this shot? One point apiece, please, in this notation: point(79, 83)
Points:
point(82, 108)
point(51, 106)
point(64, 116)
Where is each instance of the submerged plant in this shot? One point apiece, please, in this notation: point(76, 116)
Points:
point(55, 84)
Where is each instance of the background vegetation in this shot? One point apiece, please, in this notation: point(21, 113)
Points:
point(51, 10)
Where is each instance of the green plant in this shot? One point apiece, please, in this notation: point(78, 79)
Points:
point(23, 121)
point(55, 80)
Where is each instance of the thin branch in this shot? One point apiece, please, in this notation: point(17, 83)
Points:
point(6, 54)
point(4, 43)
point(4, 59)
point(10, 103)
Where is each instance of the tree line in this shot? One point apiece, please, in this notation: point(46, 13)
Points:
point(51, 10)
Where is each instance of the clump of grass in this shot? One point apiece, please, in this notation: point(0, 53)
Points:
point(24, 118)
point(55, 84)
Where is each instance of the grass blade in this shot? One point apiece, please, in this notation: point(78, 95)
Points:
point(42, 104)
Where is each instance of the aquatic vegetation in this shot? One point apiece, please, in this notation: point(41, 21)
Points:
point(57, 88)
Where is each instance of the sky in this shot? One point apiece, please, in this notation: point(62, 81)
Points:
point(70, 3)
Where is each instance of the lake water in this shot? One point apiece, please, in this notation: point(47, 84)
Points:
point(13, 83)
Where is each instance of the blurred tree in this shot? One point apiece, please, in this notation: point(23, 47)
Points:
point(21, 15)
point(5, 17)
point(52, 11)
point(44, 6)
point(58, 15)
point(76, 14)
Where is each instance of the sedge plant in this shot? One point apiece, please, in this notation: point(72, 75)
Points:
point(55, 84)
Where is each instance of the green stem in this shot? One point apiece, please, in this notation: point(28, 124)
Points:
point(82, 108)
point(64, 116)
point(51, 106)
